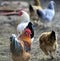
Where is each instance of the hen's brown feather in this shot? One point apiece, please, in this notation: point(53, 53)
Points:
point(48, 44)
point(33, 8)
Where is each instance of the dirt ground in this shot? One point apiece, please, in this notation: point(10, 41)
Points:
point(7, 28)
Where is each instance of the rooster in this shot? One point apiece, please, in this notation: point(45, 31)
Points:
point(33, 8)
point(47, 14)
point(22, 26)
point(21, 46)
point(48, 43)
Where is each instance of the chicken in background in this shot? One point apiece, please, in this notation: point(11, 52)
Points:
point(47, 14)
point(23, 17)
point(23, 21)
point(32, 10)
point(37, 5)
point(21, 46)
point(48, 43)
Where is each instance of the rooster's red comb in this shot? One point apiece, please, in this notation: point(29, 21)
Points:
point(27, 30)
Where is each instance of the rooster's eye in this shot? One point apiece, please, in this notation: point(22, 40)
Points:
point(26, 33)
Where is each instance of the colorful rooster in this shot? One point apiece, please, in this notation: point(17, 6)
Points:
point(20, 46)
point(47, 14)
point(22, 26)
point(48, 43)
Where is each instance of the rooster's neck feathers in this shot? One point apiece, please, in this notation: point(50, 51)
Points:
point(27, 42)
point(30, 26)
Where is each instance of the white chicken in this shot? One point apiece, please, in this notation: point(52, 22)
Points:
point(48, 13)
point(23, 17)
point(23, 21)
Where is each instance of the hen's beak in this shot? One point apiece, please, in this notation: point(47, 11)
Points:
point(20, 13)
